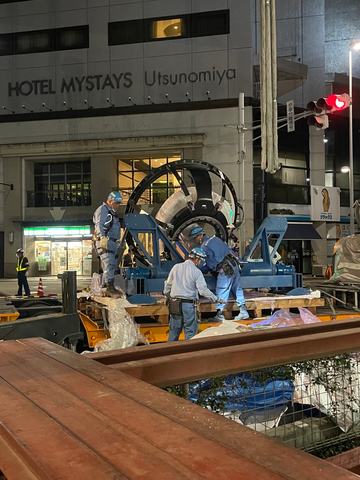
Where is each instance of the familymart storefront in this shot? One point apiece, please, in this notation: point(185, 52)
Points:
point(52, 249)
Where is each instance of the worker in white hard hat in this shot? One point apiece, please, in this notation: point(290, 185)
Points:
point(107, 236)
point(22, 266)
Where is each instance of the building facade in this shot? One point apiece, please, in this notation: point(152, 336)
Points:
point(95, 93)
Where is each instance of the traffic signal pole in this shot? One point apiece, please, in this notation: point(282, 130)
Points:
point(351, 149)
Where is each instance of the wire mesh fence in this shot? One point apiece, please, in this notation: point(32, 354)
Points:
point(312, 405)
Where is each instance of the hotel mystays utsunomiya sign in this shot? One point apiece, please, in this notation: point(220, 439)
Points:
point(115, 81)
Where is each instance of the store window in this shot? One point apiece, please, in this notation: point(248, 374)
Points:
point(52, 250)
point(61, 184)
point(133, 169)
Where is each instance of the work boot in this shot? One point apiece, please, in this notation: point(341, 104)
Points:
point(243, 314)
point(111, 290)
point(219, 317)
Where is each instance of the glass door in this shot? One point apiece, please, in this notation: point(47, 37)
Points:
point(87, 257)
point(75, 252)
point(58, 257)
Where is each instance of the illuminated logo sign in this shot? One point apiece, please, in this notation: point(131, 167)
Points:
point(326, 199)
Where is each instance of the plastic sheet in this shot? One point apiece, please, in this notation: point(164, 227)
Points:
point(341, 404)
point(124, 332)
point(282, 318)
point(254, 402)
point(95, 286)
point(347, 260)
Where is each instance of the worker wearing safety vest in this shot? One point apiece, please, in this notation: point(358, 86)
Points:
point(22, 267)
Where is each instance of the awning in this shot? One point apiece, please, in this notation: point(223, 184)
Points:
point(301, 231)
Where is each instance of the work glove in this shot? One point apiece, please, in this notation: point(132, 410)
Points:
point(104, 243)
point(220, 300)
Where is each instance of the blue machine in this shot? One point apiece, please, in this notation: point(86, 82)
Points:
point(139, 281)
point(258, 269)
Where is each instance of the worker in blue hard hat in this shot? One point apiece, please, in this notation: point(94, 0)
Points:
point(221, 259)
point(107, 236)
point(182, 287)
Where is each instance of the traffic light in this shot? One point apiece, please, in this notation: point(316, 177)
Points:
point(323, 106)
point(319, 109)
point(338, 102)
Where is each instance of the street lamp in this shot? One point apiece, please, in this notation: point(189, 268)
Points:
point(353, 46)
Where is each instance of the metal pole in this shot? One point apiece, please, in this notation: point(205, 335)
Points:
point(351, 149)
point(241, 161)
point(69, 291)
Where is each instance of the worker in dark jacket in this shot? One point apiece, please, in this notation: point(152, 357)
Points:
point(22, 267)
point(107, 234)
point(222, 260)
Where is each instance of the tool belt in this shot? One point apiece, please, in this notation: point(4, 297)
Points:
point(227, 265)
point(175, 305)
point(96, 238)
point(113, 239)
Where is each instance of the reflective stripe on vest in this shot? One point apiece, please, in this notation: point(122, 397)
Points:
point(19, 267)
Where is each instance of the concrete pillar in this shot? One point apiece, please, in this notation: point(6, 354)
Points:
point(104, 176)
point(317, 177)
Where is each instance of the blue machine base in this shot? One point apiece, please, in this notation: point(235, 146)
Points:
point(131, 288)
point(141, 298)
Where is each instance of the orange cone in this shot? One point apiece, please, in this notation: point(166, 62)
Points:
point(40, 291)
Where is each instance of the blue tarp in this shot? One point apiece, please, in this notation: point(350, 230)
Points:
point(244, 393)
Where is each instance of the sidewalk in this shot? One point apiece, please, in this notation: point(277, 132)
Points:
point(51, 285)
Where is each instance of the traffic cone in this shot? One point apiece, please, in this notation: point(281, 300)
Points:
point(40, 291)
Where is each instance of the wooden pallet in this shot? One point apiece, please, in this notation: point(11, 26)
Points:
point(257, 307)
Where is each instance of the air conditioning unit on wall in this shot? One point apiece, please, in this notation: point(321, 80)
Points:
point(319, 270)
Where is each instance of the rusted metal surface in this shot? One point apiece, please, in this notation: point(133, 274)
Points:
point(117, 394)
point(148, 444)
point(186, 367)
point(201, 344)
point(12, 463)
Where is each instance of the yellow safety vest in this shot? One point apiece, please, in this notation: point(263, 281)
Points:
point(19, 267)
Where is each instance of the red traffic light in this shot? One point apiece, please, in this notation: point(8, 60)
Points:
point(338, 102)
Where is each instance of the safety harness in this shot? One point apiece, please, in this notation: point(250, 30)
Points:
point(19, 267)
point(107, 227)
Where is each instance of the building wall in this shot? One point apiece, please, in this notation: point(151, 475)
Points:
point(201, 134)
point(219, 55)
point(307, 33)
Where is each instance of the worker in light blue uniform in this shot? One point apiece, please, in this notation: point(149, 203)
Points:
point(184, 283)
point(222, 260)
point(107, 236)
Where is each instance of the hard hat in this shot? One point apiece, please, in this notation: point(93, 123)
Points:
point(115, 197)
point(196, 231)
point(20, 250)
point(198, 252)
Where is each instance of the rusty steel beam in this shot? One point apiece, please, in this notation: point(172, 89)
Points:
point(200, 344)
point(278, 458)
point(187, 367)
point(13, 462)
point(125, 433)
